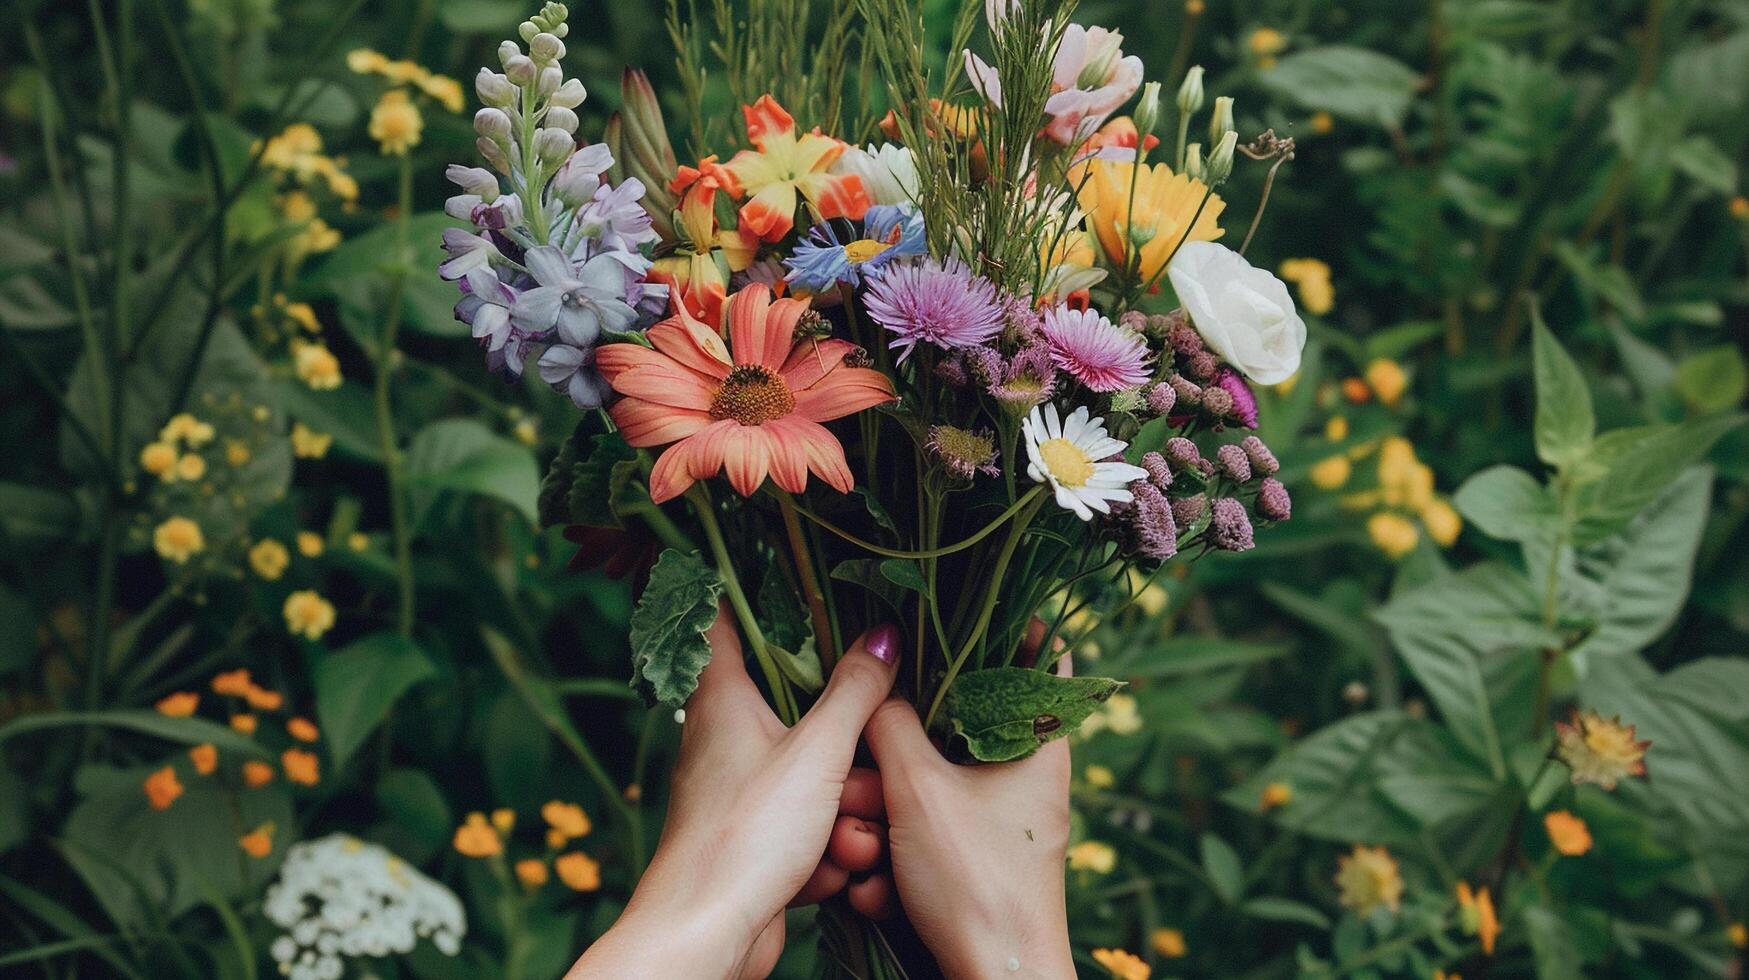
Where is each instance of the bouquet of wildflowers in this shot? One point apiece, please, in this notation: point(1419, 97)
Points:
point(969, 378)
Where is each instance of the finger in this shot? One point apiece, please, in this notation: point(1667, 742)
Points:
point(1030, 643)
point(724, 680)
point(862, 795)
point(859, 683)
point(856, 845)
point(827, 880)
point(896, 738)
point(873, 896)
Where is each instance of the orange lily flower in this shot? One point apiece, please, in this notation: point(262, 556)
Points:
point(783, 164)
point(700, 277)
point(754, 412)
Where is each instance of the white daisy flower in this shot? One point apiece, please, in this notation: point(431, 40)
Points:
point(1067, 454)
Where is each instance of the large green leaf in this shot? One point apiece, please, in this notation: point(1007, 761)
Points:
point(1629, 468)
point(1564, 420)
point(1005, 713)
point(1552, 945)
point(419, 819)
point(356, 687)
point(461, 454)
point(1506, 502)
point(1333, 773)
point(188, 731)
point(669, 647)
point(1352, 82)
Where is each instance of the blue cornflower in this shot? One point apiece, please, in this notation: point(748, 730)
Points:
point(822, 259)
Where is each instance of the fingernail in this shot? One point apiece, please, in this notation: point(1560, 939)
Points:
point(883, 643)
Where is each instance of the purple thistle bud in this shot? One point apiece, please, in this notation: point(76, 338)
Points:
point(1217, 401)
point(1022, 324)
point(1186, 391)
point(1202, 366)
point(952, 371)
point(1161, 398)
point(1273, 501)
point(983, 365)
point(1183, 453)
point(1133, 320)
point(1188, 510)
point(963, 453)
point(1159, 473)
point(1233, 462)
point(1151, 530)
point(1182, 337)
point(1229, 528)
point(1244, 401)
point(1160, 324)
point(1262, 460)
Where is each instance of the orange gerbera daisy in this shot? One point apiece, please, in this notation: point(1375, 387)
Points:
point(784, 163)
point(754, 412)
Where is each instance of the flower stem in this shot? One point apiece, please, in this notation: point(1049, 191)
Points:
point(961, 545)
point(781, 697)
point(399, 531)
point(809, 580)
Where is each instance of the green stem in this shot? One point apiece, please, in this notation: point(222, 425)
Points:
point(399, 531)
point(809, 580)
point(962, 545)
point(781, 697)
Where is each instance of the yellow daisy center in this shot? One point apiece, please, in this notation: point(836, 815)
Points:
point(863, 249)
point(752, 395)
point(1066, 461)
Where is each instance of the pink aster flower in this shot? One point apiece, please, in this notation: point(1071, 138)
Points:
point(1094, 351)
point(933, 302)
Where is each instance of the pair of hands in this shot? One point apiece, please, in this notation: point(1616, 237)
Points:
point(763, 816)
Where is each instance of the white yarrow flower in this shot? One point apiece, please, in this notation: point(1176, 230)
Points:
point(1068, 454)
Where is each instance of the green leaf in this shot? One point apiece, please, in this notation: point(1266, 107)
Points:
point(1629, 468)
point(669, 648)
point(905, 574)
point(1185, 654)
point(787, 628)
point(1564, 421)
point(601, 475)
point(419, 819)
point(1223, 867)
point(356, 687)
point(1332, 774)
point(461, 454)
point(188, 731)
point(1506, 502)
point(18, 639)
point(1552, 945)
point(37, 515)
point(1273, 909)
point(1351, 82)
point(1005, 713)
point(552, 505)
point(1429, 777)
point(1700, 158)
point(1712, 380)
point(866, 572)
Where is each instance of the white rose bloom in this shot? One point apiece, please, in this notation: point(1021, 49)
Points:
point(888, 172)
point(1244, 313)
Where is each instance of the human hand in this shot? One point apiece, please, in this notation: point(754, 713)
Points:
point(977, 851)
point(760, 816)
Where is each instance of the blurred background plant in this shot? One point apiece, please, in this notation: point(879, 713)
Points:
point(277, 608)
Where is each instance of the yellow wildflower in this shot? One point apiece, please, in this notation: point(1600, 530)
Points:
point(257, 843)
point(233, 682)
point(316, 365)
point(578, 871)
point(237, 452)
point(1140, 217)
point(1388, 380)
point(205, 757)
point(1737, 932)
point(257, 774)
point(556, 838)
point(186, 428)
point(504, 820)
point(1265, 43)
point(269, 558)
point(310, 544)
point(1331, 473)
point(395, 123)
point(1312, 276)
point(159, 459)
point(1567, 832)
point(477, 839)
point(445, 90)
point(1368, 879)
point(1092, 855)
point(1442, 522)
point(364, 61)
point(358, 541)
point(1476, 914)
point(1122, 965)
point(191, 467)
point(307, 443)
point(1356, 391)
point(1194, 8)
point(261, 699)
point(566, 818)
point(296, 207)
point(1168, 943)
point(1740, 208)
point(302, 729)
point(179, 705)
point(300, 766)
point(1599, 751)
point(525, 432)
point(532, 872)
point(1322, 123)
point(1336, 429)
point(1275, 795)
point(1394, 534)
point(1100, 777)
point(307, 614)
point(1118, 713)
point(162, 788)
point(178, 539)
point(304, 316)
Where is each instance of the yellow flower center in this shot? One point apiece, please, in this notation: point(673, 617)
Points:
point(1066, 461)
point(863, 249)
point(752, 395)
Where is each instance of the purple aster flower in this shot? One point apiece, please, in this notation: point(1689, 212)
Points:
point(580, 302)
point(1244, 407)
point(1232, 461)
point(1229, 527)
point(963, 453)
point(1029, 378)
point(1262, 460)
point(933, 302)
point(1094, 351)
point(1273, 501)
point(822, 260)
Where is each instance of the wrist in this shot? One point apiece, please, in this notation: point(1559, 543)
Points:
point(658, 935)
point(1019, 948)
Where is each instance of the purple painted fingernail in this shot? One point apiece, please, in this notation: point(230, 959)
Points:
point(883, 643)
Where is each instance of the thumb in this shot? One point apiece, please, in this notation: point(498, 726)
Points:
point(858, 685)
point(896, 738)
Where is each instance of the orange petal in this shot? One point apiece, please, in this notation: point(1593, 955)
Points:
point(670, 477)
point(838, 195)
point(771, 212)
point(747, 457)
point(780, 332)
point(789, 456)
point(748, 327)
point(825, 454)
point(642, 423)
point(673, 386)
point(848, 390)
point(764, 118)
point(692, 345)
point(810, 362)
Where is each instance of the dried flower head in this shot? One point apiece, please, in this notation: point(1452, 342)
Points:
point(1599, 751)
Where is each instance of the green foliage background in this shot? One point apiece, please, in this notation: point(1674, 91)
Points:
point(1469, 170)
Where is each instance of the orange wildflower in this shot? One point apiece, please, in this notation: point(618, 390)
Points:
point(578, 871)
point(1567, 832)
point(532, 872)
point(784, 164)
point(179, 705)
point(162, 788)
point(257, 774)
point(475, 838)
point(244, 724)
point(236, 683)
point(257, 843)
point(1476, 913)
point(758, 413)
point(698, 274)
point(1122, 964)
point(205, 757)
point(1275, 795)
point(261, 699)
point(504, 819)
point(566, 818)
point(1169, 942)
point(300, 766)
point(303, 729)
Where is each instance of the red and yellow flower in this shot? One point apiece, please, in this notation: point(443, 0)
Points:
point(698, 274)
point(783, 164)
point(755, 412)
